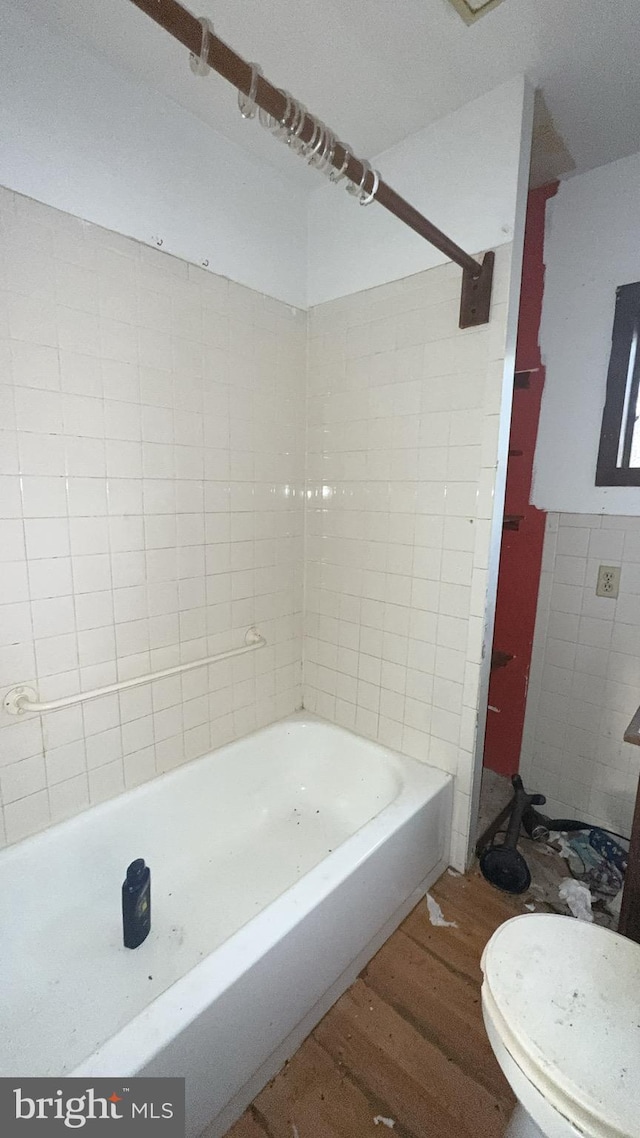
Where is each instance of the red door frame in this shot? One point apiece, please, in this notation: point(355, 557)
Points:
point(523, 530)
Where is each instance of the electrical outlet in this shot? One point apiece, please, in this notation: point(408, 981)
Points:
point(608, 581)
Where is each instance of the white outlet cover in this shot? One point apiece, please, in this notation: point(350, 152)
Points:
point(608, 581)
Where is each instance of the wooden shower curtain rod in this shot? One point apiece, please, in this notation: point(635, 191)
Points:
point(477, 277)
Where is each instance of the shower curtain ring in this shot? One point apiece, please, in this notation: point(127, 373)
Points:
point(336, 176)
point(281, 129)
point(293, 123)
point(247, 103)
point(199, 63)
point(297, 125)
point(327, 158)
point(356, 191)
point(366, 199)
point(312, 150)
point(324, 159)
point(310, 147)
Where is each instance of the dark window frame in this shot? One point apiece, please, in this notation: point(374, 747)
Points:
point(626, 322)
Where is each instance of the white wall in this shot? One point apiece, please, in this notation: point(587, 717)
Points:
point(584, 685)
point(461, 172)
point(80, 136)
point(592, 245)
point(585, 672)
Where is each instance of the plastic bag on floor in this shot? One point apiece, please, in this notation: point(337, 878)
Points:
point(577, 897)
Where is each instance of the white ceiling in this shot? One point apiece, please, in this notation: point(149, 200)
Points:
point(378, 71)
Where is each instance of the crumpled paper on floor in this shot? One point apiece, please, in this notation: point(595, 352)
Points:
point(577, 897)
point(436, 916)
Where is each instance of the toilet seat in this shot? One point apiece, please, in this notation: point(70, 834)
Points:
point(562, 998)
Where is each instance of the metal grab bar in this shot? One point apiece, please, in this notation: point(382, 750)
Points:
point(24, 698)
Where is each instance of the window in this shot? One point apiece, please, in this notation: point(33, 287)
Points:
point(619, 454)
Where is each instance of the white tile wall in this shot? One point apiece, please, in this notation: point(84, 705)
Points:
point(402, 430)
point(151, 509)
point(585, 672)
point(151, 467)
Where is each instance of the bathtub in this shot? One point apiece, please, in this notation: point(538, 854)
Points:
point(279, 864)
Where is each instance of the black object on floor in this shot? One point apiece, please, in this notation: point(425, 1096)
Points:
point(503, 865)
point(538, 826)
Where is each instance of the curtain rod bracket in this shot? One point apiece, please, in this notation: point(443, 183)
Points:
point(475, 299)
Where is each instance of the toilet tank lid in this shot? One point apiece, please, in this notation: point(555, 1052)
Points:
point(565, 998)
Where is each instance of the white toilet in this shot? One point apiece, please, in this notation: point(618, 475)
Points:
point(561, 1005)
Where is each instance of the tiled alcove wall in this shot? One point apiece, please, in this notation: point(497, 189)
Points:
point(585, 672)
point(152, 466)
point(403, 413)
point(152, 461)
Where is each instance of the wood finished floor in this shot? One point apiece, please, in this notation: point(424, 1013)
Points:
point(405, 1042)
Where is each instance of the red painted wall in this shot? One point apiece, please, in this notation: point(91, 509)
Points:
point(521, 551)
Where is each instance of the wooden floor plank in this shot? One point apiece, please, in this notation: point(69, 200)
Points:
point(315, 1087)
point(457, 950)
point(406, 1041)
point(248, 1127)
point(472, 895)
point(414, 1080)
point(476, 915)
point(443, 1007)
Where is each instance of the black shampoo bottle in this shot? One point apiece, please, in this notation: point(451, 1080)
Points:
point(136, 904)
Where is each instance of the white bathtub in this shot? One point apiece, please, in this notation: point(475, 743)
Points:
point(279, 864)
